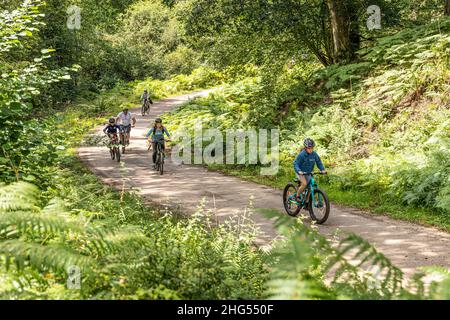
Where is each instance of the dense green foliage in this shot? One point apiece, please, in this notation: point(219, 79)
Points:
point(118, 41)
point(381, 123)
point(271, 33)
point(307, 266)
point(123, 249)
point(24, 142)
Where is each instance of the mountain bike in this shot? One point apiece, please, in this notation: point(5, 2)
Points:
point(114, 147)
point(145, 109)
point(160, 155)
point(125, 136)
point(313, 199)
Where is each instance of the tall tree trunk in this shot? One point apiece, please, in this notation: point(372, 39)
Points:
point(354, 32)
point(447, 7)
point(340, 28)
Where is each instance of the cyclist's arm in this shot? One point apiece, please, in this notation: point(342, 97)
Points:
point(104, 130)
point(149, 133)
point(298, 161)
point(319, 163)
point(166, 132)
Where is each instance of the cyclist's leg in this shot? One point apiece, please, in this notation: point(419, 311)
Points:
point(303, 184)
point(145, 106)
point(128, 130)
point(121, 134)
point(155, 151)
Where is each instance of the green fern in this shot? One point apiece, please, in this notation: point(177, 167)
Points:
point(49, 239)
point(305, 261)
point(18, 196)
point(56, 257)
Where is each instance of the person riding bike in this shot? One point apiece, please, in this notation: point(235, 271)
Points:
point(146, 97)
point(304, 164)
point(157, 136)
point(112, 128)
point(124, 119)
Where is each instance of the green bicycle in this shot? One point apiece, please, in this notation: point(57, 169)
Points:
point(313, 199)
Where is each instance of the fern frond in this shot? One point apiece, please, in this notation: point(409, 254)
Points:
point(18, 196)
point(390, 277)
point(32, 224)
point(57, 258)
point(55, 207)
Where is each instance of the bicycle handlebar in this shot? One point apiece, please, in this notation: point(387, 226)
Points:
point(311, 173)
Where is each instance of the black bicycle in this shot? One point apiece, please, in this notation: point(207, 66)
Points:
point(125, 136)
point(159, 163)
point(313, 199)
point(114, 147)
point(145, 109)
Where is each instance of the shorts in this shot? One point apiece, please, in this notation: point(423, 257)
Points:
point(307, 178)
point(125, 129)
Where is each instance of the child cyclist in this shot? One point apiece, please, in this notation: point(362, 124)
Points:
point(304, 165)
point(157, 136)
point(112, 128)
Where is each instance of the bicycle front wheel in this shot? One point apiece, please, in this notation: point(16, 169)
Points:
point(290, 203)
point(319, 206)
point(117, 151)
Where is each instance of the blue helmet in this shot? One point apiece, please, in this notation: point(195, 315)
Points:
point(309, 143)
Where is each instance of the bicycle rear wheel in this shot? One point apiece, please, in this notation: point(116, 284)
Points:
point(112, 153)
point(117, 152)
point(319, 206)
point(122, 142)
point(161, 164)
point(290, 203)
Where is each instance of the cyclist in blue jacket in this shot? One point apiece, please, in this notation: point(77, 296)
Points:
point(304, 164)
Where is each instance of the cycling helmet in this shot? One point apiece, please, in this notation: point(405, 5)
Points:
point(309, 143)
point(145, 90)
point(112, 120)
point(158, 120)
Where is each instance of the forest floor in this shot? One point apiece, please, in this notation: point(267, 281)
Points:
point(407, 245)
